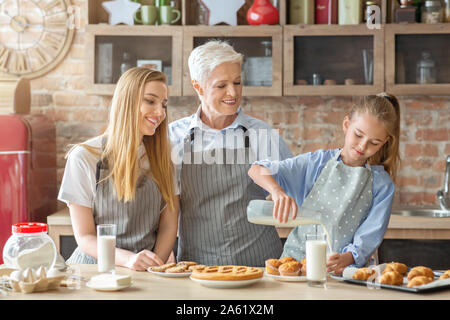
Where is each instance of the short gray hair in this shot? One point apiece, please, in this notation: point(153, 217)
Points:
point(203, 59)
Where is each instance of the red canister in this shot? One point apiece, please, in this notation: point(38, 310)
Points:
point(326, 12)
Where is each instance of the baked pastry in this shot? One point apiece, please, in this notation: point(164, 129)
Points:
point(363, 274)
point(420, 271)
point(303, 262)
point(396, 266)
point(196, 267)
point(187, 263)
point(177, 269)
point(227, 273)
point(419, 280)
point(392, 277)
point(162, 268)
point(272, 266)
point(291, 268)
point(445, 275)
point(286, 259)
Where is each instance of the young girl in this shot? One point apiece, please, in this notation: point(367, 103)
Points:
point(125, 177)
point(352, 188)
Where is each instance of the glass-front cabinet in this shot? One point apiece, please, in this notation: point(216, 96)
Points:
point(116, 49)
point(333, 60)
point(262, 50)
point(417, 59)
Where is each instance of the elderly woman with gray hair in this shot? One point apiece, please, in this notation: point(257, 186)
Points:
point(213, 151)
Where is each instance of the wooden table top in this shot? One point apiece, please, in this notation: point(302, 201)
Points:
point(147, 286)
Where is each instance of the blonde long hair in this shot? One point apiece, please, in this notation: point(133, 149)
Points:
point(385, 108)
point(123, 139)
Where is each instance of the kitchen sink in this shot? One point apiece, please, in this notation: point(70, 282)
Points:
point(431, 213)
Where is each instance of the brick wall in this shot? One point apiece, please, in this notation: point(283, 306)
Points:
point(306, 123)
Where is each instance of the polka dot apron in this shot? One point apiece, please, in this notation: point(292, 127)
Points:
point(341, 199)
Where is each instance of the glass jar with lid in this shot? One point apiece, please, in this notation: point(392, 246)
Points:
point(29, 246)
point(426, 69)
point(432, 12)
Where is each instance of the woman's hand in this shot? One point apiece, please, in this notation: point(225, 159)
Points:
point(142, 260)
point(282, 205)
point(338, 261)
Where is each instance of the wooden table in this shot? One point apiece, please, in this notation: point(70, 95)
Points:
point(147, 286)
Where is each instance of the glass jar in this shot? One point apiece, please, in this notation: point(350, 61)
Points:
point(29, 246)
point(426, 69)
point(432, 12)
point(447, 10)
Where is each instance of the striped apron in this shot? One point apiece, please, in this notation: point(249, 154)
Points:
point(342, 198)
point(213, 226)
point(137, 220)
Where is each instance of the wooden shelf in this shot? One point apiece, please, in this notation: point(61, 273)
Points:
point(247, 47)
point(339, 52)
point(401, 57)
point(327, 56)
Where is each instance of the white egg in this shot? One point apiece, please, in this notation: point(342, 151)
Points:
point(29, 275)
point(16, 275)
point(41, 274)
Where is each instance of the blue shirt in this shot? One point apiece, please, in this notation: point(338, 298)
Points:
point(297, 176)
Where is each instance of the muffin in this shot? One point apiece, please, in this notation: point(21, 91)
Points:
point(287, 259)
point(272, 266)
point(290, 269)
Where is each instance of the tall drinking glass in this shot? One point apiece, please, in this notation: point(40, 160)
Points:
point(106, 247)
point(316, 260)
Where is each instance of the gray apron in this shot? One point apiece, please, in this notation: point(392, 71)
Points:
point(341, 199)
point(213, 226)
point(137, 220)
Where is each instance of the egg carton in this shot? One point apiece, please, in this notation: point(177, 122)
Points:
point(29, 281)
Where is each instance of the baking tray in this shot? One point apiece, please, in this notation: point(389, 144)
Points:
point(436, 285)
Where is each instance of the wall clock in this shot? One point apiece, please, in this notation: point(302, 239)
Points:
point(35, 35)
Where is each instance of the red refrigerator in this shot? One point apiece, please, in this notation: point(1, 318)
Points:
point(27, 171)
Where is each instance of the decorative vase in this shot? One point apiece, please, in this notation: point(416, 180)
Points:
point(262, 12)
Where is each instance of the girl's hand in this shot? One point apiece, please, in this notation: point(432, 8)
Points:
point(142, 260)
point(282, 205)
point(338, 261)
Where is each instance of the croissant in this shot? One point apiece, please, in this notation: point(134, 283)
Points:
point(363, 274)
point(391, 277)
point(396, 266)
point(418, 281)
point(445, 275)
point(420, 271)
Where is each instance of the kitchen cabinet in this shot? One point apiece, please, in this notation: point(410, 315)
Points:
point(405, 47)
point(354, 59)
point(261, 47)
point(109, 47)
point(333, 60)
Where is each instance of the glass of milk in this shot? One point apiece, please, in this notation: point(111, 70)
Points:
point(106, 247)
point(316, 260)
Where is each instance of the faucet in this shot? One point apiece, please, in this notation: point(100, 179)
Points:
point(444, 195)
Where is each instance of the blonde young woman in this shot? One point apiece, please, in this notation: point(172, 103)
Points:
point(125, 177)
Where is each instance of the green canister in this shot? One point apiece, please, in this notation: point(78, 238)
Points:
point(301, 11)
